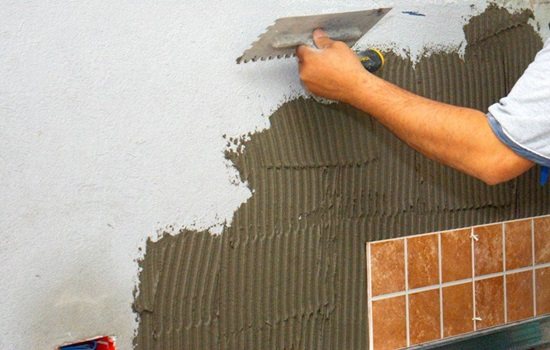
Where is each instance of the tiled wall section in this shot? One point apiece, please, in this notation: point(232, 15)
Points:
point(427, 287)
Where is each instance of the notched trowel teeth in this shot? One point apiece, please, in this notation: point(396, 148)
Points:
point(281, 39)
point(248, 55)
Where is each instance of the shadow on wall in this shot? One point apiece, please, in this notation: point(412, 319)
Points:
point(289, 273)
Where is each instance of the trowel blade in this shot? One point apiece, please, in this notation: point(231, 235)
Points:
point(281, 39)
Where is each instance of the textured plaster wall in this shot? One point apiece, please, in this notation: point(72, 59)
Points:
point(112, 124)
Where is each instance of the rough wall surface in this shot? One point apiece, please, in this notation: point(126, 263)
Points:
point(289, 272)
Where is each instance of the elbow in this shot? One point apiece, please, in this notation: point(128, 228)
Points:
point(492, 179)
point(503, 169)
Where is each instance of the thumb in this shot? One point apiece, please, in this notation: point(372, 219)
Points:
point(301, 52)
point(321, 39)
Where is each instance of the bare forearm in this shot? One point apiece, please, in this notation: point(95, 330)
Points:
point(456, 136)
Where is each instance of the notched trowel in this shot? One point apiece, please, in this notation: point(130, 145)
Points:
point(282, 38)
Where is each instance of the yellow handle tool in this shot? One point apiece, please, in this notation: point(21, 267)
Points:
point(371, 59)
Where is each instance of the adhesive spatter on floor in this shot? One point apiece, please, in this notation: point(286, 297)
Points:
point(289, 272)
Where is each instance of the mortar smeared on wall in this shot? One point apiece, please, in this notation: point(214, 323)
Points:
point(289, 272)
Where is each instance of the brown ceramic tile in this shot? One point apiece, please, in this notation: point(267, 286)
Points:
point(489, 302)
point(457, 309)
point(423, 261)
point(456, 255)
point(519, 295)
point(488, 249)
point(519, 251)
point(389, 323)
point(424, 314)
point(543, 291)
point(387, 267)
point(542, 240)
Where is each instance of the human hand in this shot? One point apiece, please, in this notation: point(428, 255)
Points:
point(332, 70)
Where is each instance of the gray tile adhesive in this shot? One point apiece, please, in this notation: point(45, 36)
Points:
point(290, 271)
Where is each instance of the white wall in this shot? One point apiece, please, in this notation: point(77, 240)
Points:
point(111, 122)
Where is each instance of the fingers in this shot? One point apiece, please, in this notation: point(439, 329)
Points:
point(321, 39)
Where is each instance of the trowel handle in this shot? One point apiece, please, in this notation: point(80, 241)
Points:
point(371, 59)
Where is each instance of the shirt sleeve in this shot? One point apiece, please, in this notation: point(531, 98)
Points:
point(522, 119)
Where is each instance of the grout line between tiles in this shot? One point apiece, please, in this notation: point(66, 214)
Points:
point(407, 291)
point(504, 275)
point(474, 316)
point(389, 295)
point(457, 282)
point(369, 301)
point(541, 266)
point(493, 275)
point(440, 260)
point(501, 274)
point(417, 290)
point(462, 281)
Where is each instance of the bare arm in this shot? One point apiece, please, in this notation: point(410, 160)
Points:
point(456, 136)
